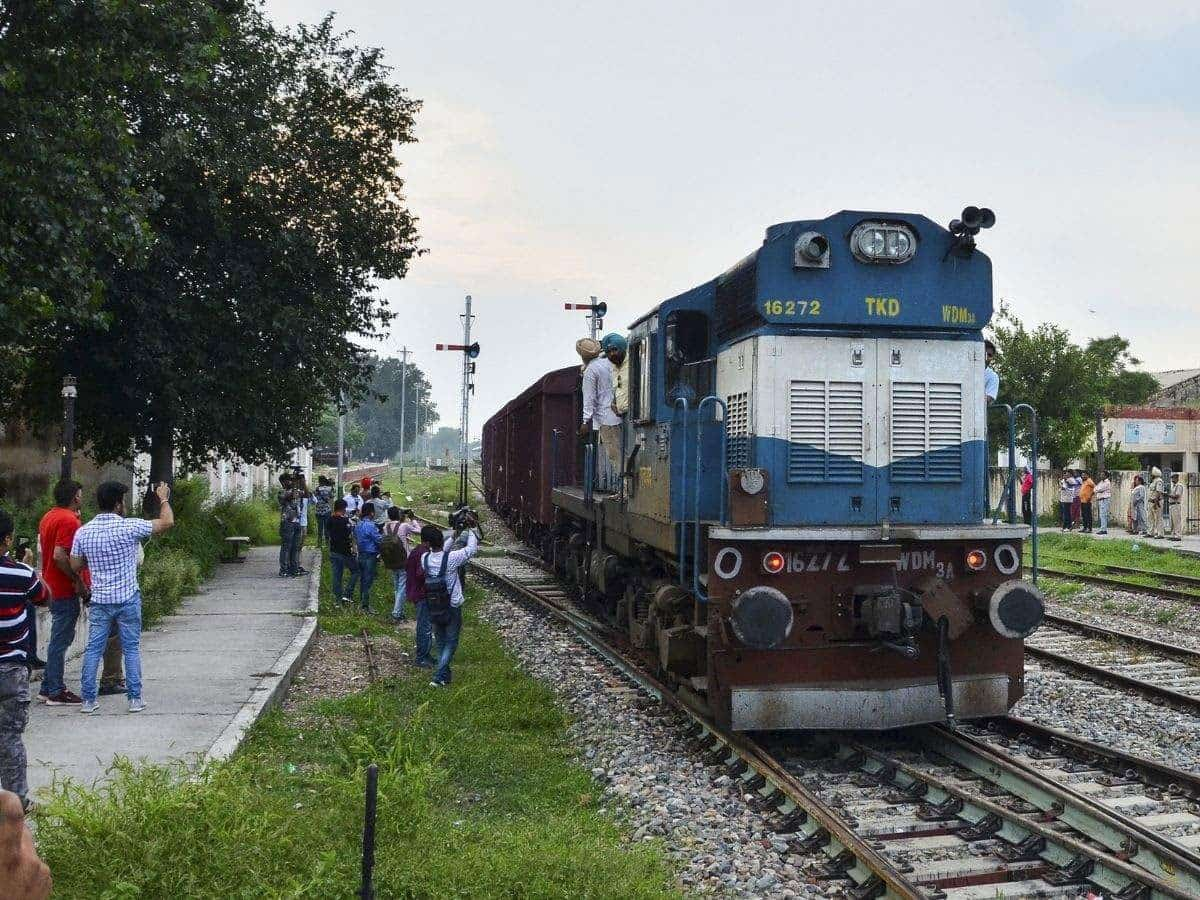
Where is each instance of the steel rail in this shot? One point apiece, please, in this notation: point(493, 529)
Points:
point(761, 775)
point(1166, 696)
point(1127, 570)
point(1166, 593)
point(1157, 855)
point(1030, 839)
point(1172, 651)
point(1175, 782)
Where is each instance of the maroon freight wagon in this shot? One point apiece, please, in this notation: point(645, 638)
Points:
point(530, 446)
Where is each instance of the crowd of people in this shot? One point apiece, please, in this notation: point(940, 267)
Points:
point(93, 565)
point(364, 529)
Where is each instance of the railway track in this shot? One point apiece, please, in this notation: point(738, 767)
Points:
point(1168, 593)
point(1164, 673)
point(978, 812)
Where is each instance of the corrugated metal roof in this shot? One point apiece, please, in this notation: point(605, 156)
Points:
point(1174, 376)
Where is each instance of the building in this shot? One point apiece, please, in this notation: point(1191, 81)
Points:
point(1165, 430)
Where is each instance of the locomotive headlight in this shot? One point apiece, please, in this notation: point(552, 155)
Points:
point(976, 560)
point(773, 563)
point(883, 242)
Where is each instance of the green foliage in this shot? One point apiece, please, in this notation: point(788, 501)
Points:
point(462, 812)
point(270, 155)
point(352, 435)
point(1058, 547)
point(1067, 384)
point(379, 414)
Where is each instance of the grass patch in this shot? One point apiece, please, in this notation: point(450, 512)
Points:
point(478, 796)
point(1117, 553)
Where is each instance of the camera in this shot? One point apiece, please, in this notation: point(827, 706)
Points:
point(464, 517)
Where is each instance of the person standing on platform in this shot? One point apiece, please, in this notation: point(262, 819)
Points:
point(1157, 494)
point(1076, 484)
point(342, 553)
point(1026, 496)
point(68, 589)
point(289, 528)
point(19, 587)
point(1103, 498)
point(1137, 506)
point(1086, 489)
point(1064, 499)
point(366, 536)
point(108, 546)
point(1176, 513)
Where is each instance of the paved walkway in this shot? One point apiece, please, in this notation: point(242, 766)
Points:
point(1190, 543)
point(207, 674)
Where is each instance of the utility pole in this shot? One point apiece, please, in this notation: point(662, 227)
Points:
point(1099, 442)
point(470, 352)
point(69, 392)
point(403, 399)
point(418, 435)
point(341, 444)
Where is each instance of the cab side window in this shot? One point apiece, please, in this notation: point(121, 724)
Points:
point(689, 368)
point(640, 407)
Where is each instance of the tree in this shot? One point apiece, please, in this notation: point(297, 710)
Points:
point(379, 414)
point(70, 200)
point(281, 204)
point(1067, 384)
point(352, 434)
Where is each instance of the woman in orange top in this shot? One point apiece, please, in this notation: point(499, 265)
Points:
point(1085, 501)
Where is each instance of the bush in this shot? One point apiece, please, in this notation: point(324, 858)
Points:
point(166, 578)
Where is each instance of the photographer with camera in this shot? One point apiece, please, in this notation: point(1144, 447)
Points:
point(444, 596)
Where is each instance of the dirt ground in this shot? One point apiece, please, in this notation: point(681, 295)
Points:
point(337, 666)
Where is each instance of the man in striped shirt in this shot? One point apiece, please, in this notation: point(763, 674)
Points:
point(19, 587)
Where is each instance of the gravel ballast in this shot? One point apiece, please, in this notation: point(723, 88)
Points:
point(720, 844)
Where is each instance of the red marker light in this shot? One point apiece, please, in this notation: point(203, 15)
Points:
point(773, 563)
point(976, 560)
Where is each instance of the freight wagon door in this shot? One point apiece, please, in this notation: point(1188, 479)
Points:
point(931, 431)
point(822, 424)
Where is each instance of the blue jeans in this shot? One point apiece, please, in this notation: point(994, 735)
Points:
point(424, 633)
point(322, 528)
point(127, 617)
point(447, 638)
point(289, 547)
point(1104, 514)
point(340, 563)
point(64, 615)
point(367, 564)
point(400, 579)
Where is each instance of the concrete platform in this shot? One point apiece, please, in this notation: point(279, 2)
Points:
point(208, 673)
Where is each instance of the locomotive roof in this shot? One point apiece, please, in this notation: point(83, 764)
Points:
point(933, 288)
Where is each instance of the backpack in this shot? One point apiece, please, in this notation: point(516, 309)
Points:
point(437, 590)
point(391, 551)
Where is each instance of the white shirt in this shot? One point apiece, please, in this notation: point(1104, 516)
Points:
point(303, 512)
point(991, 383)
point(432, 561)
point(598, 394)
point(353, 504)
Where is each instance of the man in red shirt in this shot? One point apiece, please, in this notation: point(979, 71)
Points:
point(68, 588)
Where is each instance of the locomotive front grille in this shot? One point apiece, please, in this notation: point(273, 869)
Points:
point(927, 431)
point(825, 431)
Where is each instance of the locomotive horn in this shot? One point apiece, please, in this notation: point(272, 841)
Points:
point(972, 218)
point(987, 218)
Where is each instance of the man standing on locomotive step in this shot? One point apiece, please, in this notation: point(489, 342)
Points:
point(598, 414)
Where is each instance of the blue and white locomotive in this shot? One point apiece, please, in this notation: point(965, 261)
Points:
point(800, 538)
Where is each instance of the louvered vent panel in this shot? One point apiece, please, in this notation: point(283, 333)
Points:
point(737, 430)
point(945, 432)
point(825, 431)
point(926, 431)
point(845, 445)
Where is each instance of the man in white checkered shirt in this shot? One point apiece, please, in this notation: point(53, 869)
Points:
point(108, 546)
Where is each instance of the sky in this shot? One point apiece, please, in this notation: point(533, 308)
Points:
point(633, 150)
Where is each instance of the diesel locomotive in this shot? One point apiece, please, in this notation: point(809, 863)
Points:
point(797, 538)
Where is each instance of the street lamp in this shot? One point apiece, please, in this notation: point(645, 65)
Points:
point(69, 392)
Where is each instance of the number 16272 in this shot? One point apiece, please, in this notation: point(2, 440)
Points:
point(792, 307)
